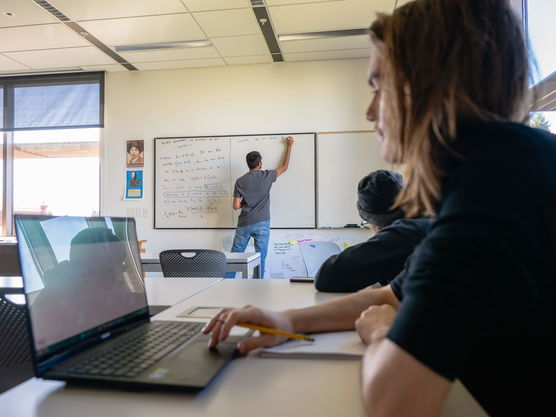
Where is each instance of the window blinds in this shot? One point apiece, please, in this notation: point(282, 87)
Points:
point(53, 102)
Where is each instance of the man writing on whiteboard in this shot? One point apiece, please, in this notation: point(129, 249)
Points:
point(252, 196)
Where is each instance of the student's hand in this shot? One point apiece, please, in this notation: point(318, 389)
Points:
point(222, 323)
point(374, 322)
point(289, 141)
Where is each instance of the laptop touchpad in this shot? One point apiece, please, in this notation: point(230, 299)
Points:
point(195, 364)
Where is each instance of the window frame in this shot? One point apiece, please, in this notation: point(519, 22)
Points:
point(8, 84)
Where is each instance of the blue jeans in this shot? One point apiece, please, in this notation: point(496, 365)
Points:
point(260, 232)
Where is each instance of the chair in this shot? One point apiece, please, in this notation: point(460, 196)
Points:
point(193, 263)
point(315, 253)
point(15, 345)
point(9, 260)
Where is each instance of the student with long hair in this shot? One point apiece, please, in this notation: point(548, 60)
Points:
point(451, 91)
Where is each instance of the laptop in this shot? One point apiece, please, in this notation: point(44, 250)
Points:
point(88, 313)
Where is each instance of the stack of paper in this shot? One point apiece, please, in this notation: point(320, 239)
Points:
point(334, 345)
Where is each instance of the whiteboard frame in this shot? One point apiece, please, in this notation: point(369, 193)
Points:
point(315, 137)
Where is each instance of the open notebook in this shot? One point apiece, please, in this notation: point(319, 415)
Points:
point(333, 345)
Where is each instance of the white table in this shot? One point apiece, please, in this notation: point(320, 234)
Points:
point(235, 262)
point(243, 262)
point(160, 291)
point(250, 386)
point(169, 291)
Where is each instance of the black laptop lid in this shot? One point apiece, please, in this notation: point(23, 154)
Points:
point(82, 278)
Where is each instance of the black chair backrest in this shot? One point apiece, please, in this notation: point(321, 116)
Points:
point(15, 349)
point(193, 263)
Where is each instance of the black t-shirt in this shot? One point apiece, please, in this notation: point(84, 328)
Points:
point(478, 296)
point(379, 259)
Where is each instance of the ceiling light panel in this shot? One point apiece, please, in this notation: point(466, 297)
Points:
point(326, 55)
point(326, 44)
point(39, 37)
point(241, 45)
point(323, 16)
point(7, 64)
point(150, 29)
point(164, 45)
point(202, 5)
point(170, 54)
point(107, 9)
point(190, 63)
point(24, 13)
point(59, 58)
point(228, 22)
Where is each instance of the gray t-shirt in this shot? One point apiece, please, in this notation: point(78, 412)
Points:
point(254, 187)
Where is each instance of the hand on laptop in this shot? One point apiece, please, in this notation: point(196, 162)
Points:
point(222, 323)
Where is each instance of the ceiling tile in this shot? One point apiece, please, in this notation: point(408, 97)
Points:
point(105, 9)
point(334, 15)
point(107, 68)
point(24, 13)
point(7, 64)
point(189, 63)
point(199, 5)
point(283, 2)
point(324, 55)
point(170, 54)
point(326, 44)
point(254, 59)
point(61, 58)
point(228, 22)
point(150, 29)
point(39, 37)
point(241, 45)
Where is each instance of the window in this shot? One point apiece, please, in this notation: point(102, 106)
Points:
point(541, 33)
point(51, 136)
point(42, 161)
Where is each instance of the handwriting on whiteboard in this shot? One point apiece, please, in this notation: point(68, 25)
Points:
point(195, 180)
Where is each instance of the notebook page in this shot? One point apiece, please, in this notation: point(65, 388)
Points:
point(333, 345)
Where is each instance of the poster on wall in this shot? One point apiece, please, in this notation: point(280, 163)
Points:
point(135, 157)
point(134, 184)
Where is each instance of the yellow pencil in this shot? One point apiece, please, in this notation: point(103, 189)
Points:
point(275, 331)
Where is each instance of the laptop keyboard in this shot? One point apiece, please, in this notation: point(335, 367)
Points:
point(138, 352)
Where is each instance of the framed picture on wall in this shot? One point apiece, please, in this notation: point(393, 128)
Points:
point(134, 184)
point(135, 157)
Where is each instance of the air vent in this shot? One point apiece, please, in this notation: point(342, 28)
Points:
point(52, 10)
point(257, 3)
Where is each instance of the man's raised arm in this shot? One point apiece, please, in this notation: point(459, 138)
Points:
point(284, 167)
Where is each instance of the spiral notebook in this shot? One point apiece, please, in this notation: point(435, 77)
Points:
point(333, 345)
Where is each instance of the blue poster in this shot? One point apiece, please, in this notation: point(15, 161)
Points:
point(134, 184)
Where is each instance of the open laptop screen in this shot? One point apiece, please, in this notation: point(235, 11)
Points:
point(82, 277)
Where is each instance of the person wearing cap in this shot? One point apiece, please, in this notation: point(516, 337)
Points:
point(252, 196)
point(382, 257)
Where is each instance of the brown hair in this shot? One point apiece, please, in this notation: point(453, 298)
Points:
point(446, 63)
point(134, 143)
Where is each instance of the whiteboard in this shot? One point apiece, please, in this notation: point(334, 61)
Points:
point(195, 177)
point(343, 159)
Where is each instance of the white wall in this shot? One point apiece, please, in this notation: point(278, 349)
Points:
point(244, 99)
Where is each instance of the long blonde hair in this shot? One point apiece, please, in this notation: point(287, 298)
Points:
point(446, 63)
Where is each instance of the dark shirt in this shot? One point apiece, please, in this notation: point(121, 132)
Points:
point(478, 297)
point(379, 259)
point(254, 187)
